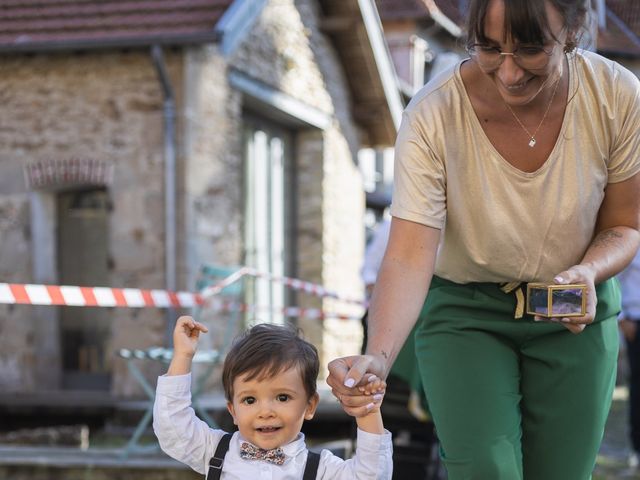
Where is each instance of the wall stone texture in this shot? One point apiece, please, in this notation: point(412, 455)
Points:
point(108, 105)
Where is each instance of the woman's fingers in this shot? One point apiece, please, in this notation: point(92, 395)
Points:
point(356, 374)
point(578, 274)
point(346, 372)
point(574, 328)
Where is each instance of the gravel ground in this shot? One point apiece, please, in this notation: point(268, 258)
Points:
point(615, 450)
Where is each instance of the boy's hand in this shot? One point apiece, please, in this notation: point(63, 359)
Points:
point(185, 336)
point(371, 395)
point(374, 385)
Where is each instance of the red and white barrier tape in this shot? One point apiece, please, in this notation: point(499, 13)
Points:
point(298, 312)
point(293, 283)
point(65, 295)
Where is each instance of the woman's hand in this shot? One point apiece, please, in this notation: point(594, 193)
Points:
point(356, 382)
point(580, 274)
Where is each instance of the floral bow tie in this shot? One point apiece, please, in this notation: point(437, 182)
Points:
point(251, 452)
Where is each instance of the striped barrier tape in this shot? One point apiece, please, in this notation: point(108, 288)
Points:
point(67, 295)
point(293, 283)
point(299, 312)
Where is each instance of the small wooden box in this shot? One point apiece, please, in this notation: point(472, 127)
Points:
point(551, 300)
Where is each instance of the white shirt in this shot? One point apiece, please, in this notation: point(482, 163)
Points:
point(630, 286)
point(189, 440)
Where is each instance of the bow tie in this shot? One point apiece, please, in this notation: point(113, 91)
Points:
point(251, 452)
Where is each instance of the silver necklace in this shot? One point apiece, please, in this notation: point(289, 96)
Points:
point(532, 136)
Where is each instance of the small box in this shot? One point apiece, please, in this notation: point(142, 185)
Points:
point(551, 300)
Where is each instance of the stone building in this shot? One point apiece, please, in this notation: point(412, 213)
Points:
point(142, 140)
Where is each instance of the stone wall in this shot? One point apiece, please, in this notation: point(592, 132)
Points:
point(108, 105)
point(105, 106)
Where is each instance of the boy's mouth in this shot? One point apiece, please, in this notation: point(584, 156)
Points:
point(268, 429)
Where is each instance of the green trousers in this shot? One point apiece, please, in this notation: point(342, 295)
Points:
point(514, 398)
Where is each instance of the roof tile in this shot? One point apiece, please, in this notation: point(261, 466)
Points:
point(47, 22)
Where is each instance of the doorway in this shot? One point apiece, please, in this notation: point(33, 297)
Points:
point(83, 260)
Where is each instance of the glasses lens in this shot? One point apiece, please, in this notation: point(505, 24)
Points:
point(528, 57)
point(532, 58)
point(487, 57)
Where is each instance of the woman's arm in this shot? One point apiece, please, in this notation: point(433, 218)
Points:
point(401, 288)
point(614, 245)
point(398, 296)
point(618, 227)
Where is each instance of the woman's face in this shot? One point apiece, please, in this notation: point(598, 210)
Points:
point(516, 85)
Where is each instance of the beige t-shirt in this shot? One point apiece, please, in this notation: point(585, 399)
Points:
point(500, 223)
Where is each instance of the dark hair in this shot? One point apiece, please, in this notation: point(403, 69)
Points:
point(526, 20)
point(267, 349)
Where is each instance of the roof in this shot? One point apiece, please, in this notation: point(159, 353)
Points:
point(356, 31)
point(419, 9)
point(402, 9)
point(449, 14)
point(454, 10)
point(45, 25)
point(36, 25)
point(622, 33)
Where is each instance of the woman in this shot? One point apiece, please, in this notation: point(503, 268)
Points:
point(518, 165)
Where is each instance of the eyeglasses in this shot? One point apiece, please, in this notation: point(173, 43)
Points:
point(529, 57)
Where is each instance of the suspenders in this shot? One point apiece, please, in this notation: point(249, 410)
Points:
point(215, 463)
point(311, 468)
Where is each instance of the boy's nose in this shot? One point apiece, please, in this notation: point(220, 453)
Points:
point(266, 410)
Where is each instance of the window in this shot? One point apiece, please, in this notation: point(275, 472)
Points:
point(268, 214)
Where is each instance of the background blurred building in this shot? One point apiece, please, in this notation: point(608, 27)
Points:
point(142, 140)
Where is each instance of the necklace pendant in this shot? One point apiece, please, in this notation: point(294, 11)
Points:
point(532, 142)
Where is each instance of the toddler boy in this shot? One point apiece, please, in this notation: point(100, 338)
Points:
point(269, 379)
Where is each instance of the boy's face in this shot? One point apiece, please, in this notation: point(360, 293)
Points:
point(269, 411)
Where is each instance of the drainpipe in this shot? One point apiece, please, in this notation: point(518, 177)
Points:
point(169, 115)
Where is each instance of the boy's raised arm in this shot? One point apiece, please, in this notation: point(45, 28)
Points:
point(185, 343)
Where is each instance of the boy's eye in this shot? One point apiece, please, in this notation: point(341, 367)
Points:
point(249, 400)
point(283, 397)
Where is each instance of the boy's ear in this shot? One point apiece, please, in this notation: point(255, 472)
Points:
point(232, 412)
point(311, 406)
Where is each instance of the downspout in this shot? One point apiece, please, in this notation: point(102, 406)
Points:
point(169, 115)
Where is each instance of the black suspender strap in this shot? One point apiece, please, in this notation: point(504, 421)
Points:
point(311, 468)
point(215, 463)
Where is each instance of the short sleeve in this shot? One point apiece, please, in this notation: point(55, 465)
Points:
point(419, 192)
point(624, 160)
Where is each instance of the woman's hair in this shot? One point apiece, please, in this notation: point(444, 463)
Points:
point(526, 20)
point(266, 350)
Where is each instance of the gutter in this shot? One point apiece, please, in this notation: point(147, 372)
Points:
point(169, 115)
point(27, 46)
point(386, 70)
